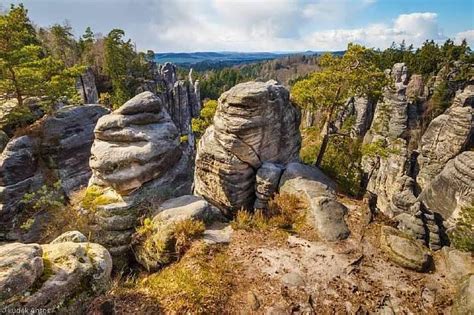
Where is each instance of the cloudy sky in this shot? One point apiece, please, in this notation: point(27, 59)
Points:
point(262, 25)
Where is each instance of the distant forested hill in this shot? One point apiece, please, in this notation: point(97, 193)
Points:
point(201, 61)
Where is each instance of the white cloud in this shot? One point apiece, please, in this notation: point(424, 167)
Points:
point(467, 35)
point(277, 25)
point(414, 28)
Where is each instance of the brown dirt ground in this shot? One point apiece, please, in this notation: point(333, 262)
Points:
point(347, 277)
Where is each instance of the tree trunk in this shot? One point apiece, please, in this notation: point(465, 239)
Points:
point(326, 130)
point(19, 97)
point(322, 150)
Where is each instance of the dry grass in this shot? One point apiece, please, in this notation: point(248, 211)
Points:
point(200, 283)
point(158, 243)
point(285, 212)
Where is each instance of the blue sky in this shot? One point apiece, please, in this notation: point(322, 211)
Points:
point(262, 25)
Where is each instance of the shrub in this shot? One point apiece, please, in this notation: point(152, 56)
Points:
point(95, 196)
point(462, 235)
point(200, 124)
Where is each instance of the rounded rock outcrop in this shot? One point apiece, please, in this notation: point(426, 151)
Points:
point(254, 123)
point(134, 144)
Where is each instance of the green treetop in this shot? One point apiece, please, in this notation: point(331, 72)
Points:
point(26, 70)
point(327, 91)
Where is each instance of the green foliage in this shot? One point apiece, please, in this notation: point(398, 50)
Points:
point(44, 199)
point(327, 91)
point(426, 60)
point(200, 124)
point(214, 83)
point(95, 196)
point(378, 148)
point(26, 70)
point(123, 65)
point(185, 232)
point(462, 236)
point(342, 162)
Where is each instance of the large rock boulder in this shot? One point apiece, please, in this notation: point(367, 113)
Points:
point(3, 140)
point(20, 266)
point(266, 184)
point(254, 123)
point(61, 276)
point(446, 136)
point(135, 144)
point(458, 264)
point(18, 175)
point(325, 213)
point(453, 188)
point(59, 146)
point(403, 250)
point(155, 243)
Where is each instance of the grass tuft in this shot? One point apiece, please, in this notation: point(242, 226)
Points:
point(200, 283)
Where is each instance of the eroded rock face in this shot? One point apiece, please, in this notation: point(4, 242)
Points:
point(446, 136)
point(66, 143)
point(181, 98)
point(136, 157)
point(266, 184)
point(254, 123)
point(453, 188)
point(326, 214)
point(135, 144)
point(61, 276)
point(85, 86)
point(60, 148)
point(388, 169)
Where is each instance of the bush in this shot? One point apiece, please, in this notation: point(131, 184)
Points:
point(462, 235)
point(200, 124)
point(95, 196)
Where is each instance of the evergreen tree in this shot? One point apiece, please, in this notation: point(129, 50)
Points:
point(327, 91)
point(26, 70)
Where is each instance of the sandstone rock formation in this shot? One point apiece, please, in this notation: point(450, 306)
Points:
point(136, 157)
point(362, 109)
point(453, 188)
point(85, 86)
point(59, 148)
point(446, 136)
point(325, 213)
point(266, 183)
point(181, 98)
point(254, 123)
point(134, 144)
point(60, 276)
point(463, 301)
point(3, 140)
